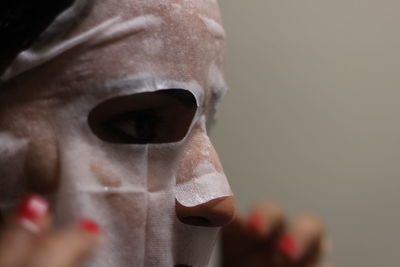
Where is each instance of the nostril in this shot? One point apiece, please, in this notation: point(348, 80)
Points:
point(196, 221)
point(215, 213)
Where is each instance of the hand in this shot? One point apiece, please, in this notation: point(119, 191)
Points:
point(28, 240)
point(264, 239)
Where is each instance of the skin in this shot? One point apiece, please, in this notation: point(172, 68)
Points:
point(20, 246)
point(27, 110)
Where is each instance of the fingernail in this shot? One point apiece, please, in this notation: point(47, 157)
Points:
point(288, 247)
point(33, 208)
point(257, 224)
point(89, 226)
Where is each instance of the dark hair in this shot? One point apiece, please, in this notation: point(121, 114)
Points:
point(22, 21)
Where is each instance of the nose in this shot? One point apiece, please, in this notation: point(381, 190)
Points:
point(216, 212)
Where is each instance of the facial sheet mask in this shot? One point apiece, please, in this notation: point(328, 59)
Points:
point(12, 160)
point(129, 189)
point(138, 205)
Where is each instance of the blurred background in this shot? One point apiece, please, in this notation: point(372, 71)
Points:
point(312, 118)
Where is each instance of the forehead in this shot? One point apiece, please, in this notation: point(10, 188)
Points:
point(179, 37)
point(180, 40)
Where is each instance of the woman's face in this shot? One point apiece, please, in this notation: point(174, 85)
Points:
point(115, 128)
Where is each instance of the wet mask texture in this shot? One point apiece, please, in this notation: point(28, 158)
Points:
point(130, 189)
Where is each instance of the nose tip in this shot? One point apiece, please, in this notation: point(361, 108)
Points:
point(215, 213)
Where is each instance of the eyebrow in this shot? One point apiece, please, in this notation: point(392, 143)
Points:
point(141, 83)
point(213, 27)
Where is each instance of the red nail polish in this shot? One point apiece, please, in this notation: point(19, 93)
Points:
point(288, 247)
point(256, 224)
point(32, 208)
point(88, 225)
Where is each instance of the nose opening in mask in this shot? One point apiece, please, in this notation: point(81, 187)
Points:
point(162, 116)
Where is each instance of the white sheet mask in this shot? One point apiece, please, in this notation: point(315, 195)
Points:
point(197, 191)
point(205, 182)
point(140, 208)
point(129, 189)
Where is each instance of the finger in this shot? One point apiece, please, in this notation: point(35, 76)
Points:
point(266, 221)
point(67, 248)
point(258, 231)
point(23, 229)
point(303, 241)
point(250, 240)
point(264, 224)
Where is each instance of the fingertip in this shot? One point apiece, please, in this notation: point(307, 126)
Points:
point(33, 207)
point(257, 225)
point(307, 233)
point(23, 228)
point(89, 226)
point(90, 229)
point(268, 206)
point(266, 220)
point(309, 227)
point(289, 247)
point(32, 214)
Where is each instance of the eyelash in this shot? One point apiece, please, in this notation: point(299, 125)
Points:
point(144, 118)
point(138, 126)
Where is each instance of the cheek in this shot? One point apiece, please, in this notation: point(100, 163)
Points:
point(40, 169)
point(42, 164)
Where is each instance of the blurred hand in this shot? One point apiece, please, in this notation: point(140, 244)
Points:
point(264, 239)
point(28, 240)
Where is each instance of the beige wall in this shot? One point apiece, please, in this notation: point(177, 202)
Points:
point(312, 118)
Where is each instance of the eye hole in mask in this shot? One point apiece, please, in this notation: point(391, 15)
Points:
point(145, 118)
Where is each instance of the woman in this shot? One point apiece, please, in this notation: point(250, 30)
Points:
point(104, 108)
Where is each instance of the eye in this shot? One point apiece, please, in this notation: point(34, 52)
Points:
point(155, 117)
point(136, 126)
